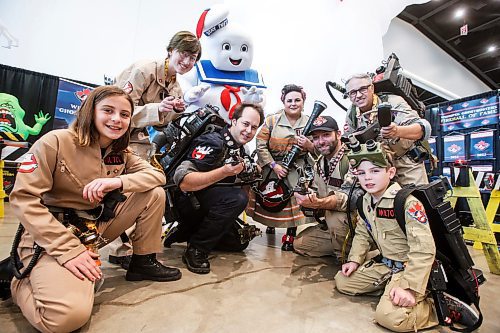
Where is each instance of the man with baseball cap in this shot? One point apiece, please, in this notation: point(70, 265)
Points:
point(332, 181)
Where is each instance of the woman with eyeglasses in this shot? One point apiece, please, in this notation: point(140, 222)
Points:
point(158, 99)
point(273, 205)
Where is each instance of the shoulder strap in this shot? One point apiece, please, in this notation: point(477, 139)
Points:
point(383, 98)
point(399, 205)
point(271, 121)
point(359, 206)
point(344, 166)
point(352, 117)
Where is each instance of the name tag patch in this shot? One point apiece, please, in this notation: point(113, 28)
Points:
point(113, 160)
point(387, 213)
point(335, 182)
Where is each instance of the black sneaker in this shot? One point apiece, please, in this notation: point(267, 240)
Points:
point(146, 267)
point(196, 260)
point(123, 261)
point(460, 312)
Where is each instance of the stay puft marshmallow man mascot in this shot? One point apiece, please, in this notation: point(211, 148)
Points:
point(223, 77)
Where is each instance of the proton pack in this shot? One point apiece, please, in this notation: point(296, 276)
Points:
point(387, 79)
point(452, 271)
point(174, 140)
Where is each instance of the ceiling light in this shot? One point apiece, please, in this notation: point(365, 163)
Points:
point(459, 13)
point(492, 48)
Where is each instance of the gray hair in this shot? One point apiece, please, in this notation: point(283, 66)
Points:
point(364, 76)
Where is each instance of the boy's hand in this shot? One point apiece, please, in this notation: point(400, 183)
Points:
point(402, 297)
point(349, 268)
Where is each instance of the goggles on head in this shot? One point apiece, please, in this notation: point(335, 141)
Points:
point(371, 151)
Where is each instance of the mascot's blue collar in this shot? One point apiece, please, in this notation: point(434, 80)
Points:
point(209, 74)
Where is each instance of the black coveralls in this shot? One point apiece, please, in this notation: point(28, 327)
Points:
point(212, 225)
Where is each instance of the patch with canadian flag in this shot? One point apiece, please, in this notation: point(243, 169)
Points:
point(417, 212)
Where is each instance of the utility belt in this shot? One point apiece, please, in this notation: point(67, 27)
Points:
point(83, 224)
point(394, 266)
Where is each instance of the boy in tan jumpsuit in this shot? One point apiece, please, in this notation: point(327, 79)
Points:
point(406, 261)
point(72, 169)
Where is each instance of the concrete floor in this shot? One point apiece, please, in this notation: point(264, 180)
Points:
point(260, 290)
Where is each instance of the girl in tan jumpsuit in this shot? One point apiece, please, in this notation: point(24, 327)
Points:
point(73, 169)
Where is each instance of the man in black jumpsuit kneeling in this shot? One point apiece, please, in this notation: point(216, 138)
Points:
point(207, 211)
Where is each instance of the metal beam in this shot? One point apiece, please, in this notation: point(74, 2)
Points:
point(491, 70)
point(454, 51)
point(438, 9)
point(479, 27)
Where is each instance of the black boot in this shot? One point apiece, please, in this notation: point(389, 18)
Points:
point(196, 260)
point(123, 261)
point(146, 267)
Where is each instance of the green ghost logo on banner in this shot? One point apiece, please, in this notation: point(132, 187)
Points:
point(12, 117)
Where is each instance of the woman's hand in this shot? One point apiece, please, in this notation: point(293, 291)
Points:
point(96, 189)
point(167, 105)
point(280, 171)
point(84, 266)
point(305, 144)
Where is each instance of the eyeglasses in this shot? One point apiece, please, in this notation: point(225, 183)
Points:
point(186, 55)
point(354, 92)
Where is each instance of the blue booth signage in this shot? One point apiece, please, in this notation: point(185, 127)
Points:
point(469, 114)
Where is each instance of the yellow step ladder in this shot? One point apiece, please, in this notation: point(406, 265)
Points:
point(481, 232)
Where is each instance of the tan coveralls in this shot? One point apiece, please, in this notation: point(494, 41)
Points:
point(416, 250)
point(54, 173)
point(314, 241)
point(408, 172)
point(145, 83)
point(274, 140)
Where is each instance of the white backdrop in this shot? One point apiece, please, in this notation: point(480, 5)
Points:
point(302, 42)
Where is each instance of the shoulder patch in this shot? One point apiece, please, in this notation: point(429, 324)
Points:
point(28, 164)
point(200, 152)
point(386, 213)
point(128, 87)
point(416, 211)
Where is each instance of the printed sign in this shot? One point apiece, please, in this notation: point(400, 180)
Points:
point(454, 148)
point(481, 145)
point(475, 113)
point(69, 97)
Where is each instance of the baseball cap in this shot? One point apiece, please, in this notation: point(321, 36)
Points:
point(324, 123)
